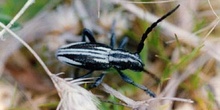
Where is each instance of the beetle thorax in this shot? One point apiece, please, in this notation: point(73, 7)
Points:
point(122, 60)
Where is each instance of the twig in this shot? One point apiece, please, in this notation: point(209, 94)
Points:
point(210, 25)
point(212, 9)
point(138, 104)
point(98, 3)
point(117, 94)
point(171, 99)
point(24, 8)
point(28, 47)
point(218, 20)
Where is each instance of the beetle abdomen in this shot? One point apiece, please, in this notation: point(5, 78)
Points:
point(92, 56)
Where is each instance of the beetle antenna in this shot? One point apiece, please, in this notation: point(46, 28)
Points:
point(149, 29)
point(152, 75)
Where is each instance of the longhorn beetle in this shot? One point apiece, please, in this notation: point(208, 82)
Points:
point(96, 56)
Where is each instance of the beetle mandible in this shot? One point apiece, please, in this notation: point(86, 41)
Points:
point(96, 56)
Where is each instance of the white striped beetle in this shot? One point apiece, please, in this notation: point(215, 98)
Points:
point(96, 56)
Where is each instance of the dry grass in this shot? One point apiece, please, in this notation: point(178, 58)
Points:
point(182, 51)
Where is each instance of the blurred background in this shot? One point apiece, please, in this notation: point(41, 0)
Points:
point(183, 50)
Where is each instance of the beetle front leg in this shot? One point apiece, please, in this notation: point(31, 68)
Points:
point(88, 33)
point(113, 36)
point(87, 74)
point(130, 81)
point(98, 81)
point(123, 43)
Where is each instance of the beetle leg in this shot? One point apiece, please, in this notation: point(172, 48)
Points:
point(113, 36)
point(98, 81)
point(88, 33)
point(113, 39)
point(130, 81)
point(123, 43)
point(76, 73)
point(89, 74)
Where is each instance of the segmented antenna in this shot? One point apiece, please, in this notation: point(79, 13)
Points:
point(149, 29)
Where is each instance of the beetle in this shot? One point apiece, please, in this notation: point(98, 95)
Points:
point(97, 56)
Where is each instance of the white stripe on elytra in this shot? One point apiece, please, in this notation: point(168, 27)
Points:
point(100, 48)
point(67, 60)
point(99, 59)
point(69, 45)
point(102, 60)
point(103, 48)
point(125, 53)
point(85, 53)
point(121, 59)
point(84, 50)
